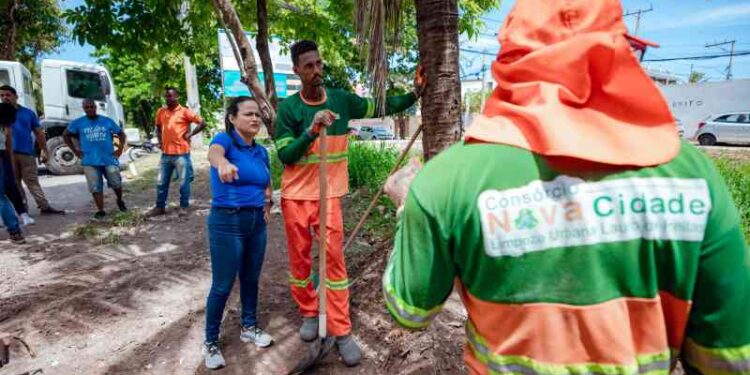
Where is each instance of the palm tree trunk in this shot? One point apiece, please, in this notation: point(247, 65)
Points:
point(437, 30)
point(261, 43)
point(228, 14)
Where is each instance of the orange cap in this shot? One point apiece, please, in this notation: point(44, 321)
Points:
point(568, 84)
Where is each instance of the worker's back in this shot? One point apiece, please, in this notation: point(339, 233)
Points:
point(606, 271)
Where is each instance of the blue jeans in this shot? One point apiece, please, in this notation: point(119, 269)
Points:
point(10, 184)
point(237, 239)
point(184, 168)
point(6, 208)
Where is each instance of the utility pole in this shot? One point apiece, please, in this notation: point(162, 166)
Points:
point(637, 14)
point(731, 53)
point(191, 77)
point(484, 80)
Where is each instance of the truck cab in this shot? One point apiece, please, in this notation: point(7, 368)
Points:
point(64, 86)
point(14, 74)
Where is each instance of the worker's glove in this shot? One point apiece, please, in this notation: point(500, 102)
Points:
point(397, 185)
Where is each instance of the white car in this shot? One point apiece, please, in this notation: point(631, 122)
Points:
point(728, 127)
point(374, 133)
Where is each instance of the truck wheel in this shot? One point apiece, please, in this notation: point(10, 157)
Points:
point(62, 160)
point(707, 140)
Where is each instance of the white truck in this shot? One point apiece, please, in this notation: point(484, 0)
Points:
point(64, 86)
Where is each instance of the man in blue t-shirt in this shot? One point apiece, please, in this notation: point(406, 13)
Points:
point(99, 158)
point(25, 129)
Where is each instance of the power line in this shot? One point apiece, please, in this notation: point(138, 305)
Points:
point(477, 51)
point(491, 20)
point(637, 14)
point(731, 53)
point(704, 57)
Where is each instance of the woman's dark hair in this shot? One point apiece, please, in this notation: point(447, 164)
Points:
point(232, 109)
point(7, 115)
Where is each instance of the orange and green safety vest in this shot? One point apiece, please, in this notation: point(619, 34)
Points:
point(612, 271)
point(300, 152)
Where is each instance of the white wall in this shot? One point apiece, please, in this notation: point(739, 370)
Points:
point(692, 103)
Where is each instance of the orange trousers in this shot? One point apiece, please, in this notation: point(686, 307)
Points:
point(301, 224)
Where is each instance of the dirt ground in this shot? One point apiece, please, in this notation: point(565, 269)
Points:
point(127, 296)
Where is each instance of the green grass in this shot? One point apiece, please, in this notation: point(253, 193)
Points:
point(737, 177)
point(127, 219)
point(111, 238)
point(86, 231)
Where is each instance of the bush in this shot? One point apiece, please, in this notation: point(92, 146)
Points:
point(276, 167)
point(369, 164)
point(737, 176)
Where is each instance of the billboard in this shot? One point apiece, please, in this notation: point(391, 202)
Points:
point(287, 83)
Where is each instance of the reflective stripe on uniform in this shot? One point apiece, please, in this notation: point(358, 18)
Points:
point(300, 283)
point(651, 364)
point(331, 158)
point(717, 361)
point(337, 284)
point(406, 315)
point(283, 142)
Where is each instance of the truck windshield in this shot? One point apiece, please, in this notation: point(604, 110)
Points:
point(84, 85)
point(4, 77)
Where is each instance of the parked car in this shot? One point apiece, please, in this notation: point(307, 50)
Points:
point(373, 133)
point(728, 127)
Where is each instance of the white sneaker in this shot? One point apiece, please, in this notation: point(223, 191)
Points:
point(256, 336)
point(27, 220)
point(214, 359)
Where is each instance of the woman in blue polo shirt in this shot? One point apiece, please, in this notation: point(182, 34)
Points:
point(241, 191)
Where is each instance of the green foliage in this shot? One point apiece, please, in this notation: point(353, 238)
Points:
point(276, 167)
point(737, 177)
point(369, 164)
point(140, 81)
point(39, 29)
point(142, 43)
point(470, 22)
point(697, 77)
point(474, 99)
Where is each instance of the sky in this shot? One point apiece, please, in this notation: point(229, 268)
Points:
point(681, 27)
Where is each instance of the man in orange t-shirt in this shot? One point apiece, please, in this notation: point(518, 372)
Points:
point(173, 131)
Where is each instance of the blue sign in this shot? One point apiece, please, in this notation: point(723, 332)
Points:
point(234, 87)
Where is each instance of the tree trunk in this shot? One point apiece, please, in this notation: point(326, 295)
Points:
point(437, 30)
point(8, 30)
point(250, 69)
point(261, 43)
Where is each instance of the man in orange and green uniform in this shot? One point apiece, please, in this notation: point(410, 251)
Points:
point(581, 234)
point(299, 120)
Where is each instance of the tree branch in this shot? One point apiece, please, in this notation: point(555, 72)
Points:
point(261, 43)
point(228, 14)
